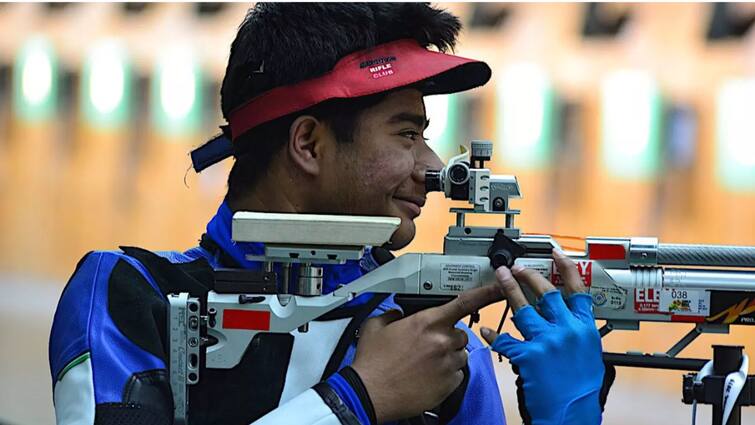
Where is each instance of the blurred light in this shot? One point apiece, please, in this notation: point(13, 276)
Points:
point(176, 93)
point(526, 103)
point(735, 142)
point(106, 84)
point(441, 111)
point(35, 76)
point(631, 124)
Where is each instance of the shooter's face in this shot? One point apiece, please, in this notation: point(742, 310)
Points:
point(383, 172)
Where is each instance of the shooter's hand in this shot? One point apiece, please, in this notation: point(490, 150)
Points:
point(411, 365)
point(560, 360)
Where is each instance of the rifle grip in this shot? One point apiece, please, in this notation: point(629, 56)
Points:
point(411, 303)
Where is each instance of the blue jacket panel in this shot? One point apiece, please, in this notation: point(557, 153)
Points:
point(82, 324)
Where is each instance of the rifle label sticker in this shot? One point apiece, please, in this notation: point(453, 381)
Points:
point(547, 268)
point(647, 300)
point(684, 301)
point(732, 307)
point(543, 266)
point(458, 277)
point(584, 267)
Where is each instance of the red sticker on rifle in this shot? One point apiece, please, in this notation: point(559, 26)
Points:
point(246, 319)
point(584, 267)
point(646, 300)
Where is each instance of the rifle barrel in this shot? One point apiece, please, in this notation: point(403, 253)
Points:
point(706, 255)
point(725, 280)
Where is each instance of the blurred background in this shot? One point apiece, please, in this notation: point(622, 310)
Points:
point(618, 119)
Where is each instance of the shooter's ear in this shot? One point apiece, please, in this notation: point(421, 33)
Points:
point(305, 144)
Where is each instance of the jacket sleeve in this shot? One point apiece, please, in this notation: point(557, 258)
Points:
point(106, 346)
point(319, 405)
point(341, 399)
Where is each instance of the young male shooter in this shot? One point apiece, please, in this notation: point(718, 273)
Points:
point(325, 112)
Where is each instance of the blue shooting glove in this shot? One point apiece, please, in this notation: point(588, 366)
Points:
point(560, 359)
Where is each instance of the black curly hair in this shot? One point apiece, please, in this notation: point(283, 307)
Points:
point(292, 42)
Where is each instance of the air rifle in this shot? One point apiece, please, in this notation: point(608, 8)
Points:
point(631, 280)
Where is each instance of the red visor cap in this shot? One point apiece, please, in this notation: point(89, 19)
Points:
point(378, 69)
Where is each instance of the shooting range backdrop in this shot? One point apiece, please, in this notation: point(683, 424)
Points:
point(618, 119)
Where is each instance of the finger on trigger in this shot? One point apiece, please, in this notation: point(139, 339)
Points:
point(537, 282)
point(511, 288)
point(465, 304)
point(568, 270)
